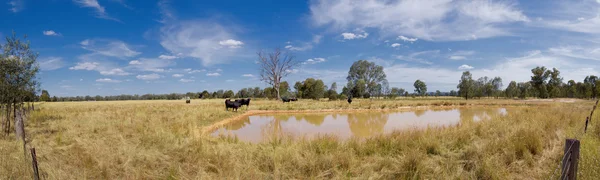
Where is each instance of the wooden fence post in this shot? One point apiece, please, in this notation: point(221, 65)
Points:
point(569, 163)
point(586, 124)
point(36, 174)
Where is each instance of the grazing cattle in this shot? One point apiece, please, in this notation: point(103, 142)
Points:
point(294, 99)
point(349, 99)
point(285, 99)
point(243, 101)
point(187, 101)
point(231, 104)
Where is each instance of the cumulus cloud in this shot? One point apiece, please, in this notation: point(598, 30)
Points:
point(186, 80)
point(112, 48)
point(108, 80)
point(395, 45)
point(135, 62)
point(406, 39)
point(460, 55)
point(465, 67)
point(178, 75)
point(192, 71)
point(51, 63)
point(51, 33)
point(213, 74)
point(442, 20)
point(314, 61)
point(205, 40)
point(457, 57)
point(85, 66)
point(153, 76)
point(167, 57)
point(115, 71)
point(247, 75)
point(230, 43)
point(350, 36)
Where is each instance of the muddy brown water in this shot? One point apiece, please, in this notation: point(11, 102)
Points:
point(258, 128)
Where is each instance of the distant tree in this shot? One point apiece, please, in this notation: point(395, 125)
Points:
point(394, 93)
point(512, 90)
point(370, 74)
point(284, 88)
point(538, 81)
point(274, 66)
point(45, 96)
point(591, 81)
point(312, 88)
point(54, 99)
point(228, 94)
point(496, 85)
point(453, 93)
point(525, 89)
point(438, 93)
point(466, 86)
point(420, 87)
point(204, 94)
point(555, 83)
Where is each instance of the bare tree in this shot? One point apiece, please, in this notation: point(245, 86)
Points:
point(274, 66)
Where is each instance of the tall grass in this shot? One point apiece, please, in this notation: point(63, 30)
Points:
point(157, 140)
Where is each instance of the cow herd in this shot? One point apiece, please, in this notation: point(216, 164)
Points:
point(234, 105)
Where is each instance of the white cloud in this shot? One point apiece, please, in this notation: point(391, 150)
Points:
point(100, 10)
point(406, 39)
point(135, 62)
point(460, 55)
point(85, 42)
point(85, 66)
point(351, 36)
point(167, 57)
point(465, 67)
point(112, 48)
point(190, 71)
point(51, 63)
point(16, 5)
point(306, 46)
point(178, 75)
point(201, 40)
point(231, 43)
point(314, 61)
point(150, 64)
point(213, 74)
point(108, 80)
point(418, 56)
point(457, 57)
point(115, 71)
point(317, 39)
point(440, 20)
point(396, 45)
point(51, 33)
point(219, 70)
point(247, 75)
point(229, 80)
point(153, 76)
point(186, 80)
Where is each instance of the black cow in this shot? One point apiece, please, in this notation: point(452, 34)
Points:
point(294, 99)
point(232, 104)
point(187, 101)
point(243, 101)
point(285, 99)
point(349, 99)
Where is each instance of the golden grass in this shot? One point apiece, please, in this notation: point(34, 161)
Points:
point(159, 140)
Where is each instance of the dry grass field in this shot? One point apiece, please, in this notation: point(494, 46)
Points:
point(164, 140)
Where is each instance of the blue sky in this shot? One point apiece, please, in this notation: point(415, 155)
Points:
point(110, 47)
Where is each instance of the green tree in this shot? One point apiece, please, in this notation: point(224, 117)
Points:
point(512, 90)
point(313, 88)
point(466, 86)
point(591, 81)
point(496, 85)
point(371, 74)
point(453, 93)
point(538, 81)
point(228, 94)
point(525, 89)
point(555, 83)
point(284, 88)
point(204, 94)
point(420, 87)
point(438, 93)
point(45, 96)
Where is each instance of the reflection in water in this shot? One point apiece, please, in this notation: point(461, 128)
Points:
point(346, 125)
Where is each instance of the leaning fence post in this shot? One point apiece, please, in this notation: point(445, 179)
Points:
point(586, 124)
point(36, 174)
point(569, 163)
